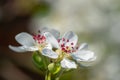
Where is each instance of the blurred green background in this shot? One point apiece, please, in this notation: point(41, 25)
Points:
point(96, 22)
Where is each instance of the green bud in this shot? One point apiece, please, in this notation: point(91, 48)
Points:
point(54, 68)
point(38, 61)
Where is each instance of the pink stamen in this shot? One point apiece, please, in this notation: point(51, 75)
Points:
point(64, 47)
point(39, 38)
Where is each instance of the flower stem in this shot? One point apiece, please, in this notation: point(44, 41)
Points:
point(48, 76)
point(57, 78)
point(59, 74)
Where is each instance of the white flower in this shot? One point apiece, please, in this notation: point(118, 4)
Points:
point(65, 45)
point(29, 42)
point(33, 42)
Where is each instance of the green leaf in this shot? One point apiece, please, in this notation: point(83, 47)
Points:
point(54, 68)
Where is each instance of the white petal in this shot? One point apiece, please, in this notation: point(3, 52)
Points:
point(44, 29)
point(72, 37)
point(54, 32)
point(17, 49)
point(51, 39)
point(83, 55)
point(49, 53)
point(83, 46)
point(31, 48)
point(66, 63)
point(25, 39)
point(23, 48)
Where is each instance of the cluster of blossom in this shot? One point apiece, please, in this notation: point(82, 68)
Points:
point(49, 43)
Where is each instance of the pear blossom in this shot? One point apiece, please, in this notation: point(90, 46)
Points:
point(67, 48)
point(65, 45)
point(64, 52)
point(33, 42)
point(28, 42)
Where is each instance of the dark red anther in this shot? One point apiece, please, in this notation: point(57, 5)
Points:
point(68, 40)
point(72, 43)
point(39, 35)
point(58, 40)
point(62, 45)
point(63, 39)
point(39, 31)
point(66, 51)
point(34, 37)
point(63, 49)
point(76, 47)
point(67, 47)
point(69, 51)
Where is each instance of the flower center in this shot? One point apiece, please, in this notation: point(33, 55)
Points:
point(40, 39)
point(66, 45)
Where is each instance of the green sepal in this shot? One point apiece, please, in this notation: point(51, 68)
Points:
point(38, 61)
point(54, 68)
